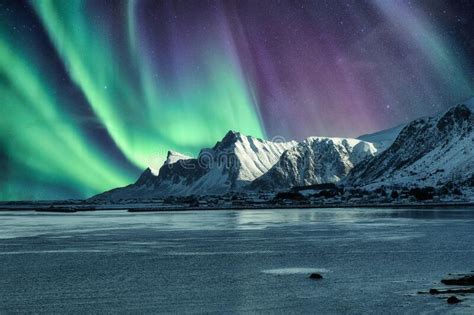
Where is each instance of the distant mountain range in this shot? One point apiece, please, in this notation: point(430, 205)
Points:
point(315, 161)
point(426, 152)
point(233, 163)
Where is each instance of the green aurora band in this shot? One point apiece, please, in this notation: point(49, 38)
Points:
point(96, 69)
point(35, 131)
point(122, 91)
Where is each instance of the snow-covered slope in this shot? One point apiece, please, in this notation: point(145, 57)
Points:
point(174, 157)
point(314, 161)
point(470, 103)
point(382, 139)
point(233, 162)
point(427, 152)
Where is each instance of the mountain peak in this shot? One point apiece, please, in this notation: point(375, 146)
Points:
point(428, 152)
point(232, 133)
point(229, 139)
point(173, 157)
point(315, 160)
point(455, 116)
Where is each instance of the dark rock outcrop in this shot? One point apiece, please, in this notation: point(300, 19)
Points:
point(450, 291)
point(290, 196)
point(315, 276)
point(466, 280)
point(453, 300)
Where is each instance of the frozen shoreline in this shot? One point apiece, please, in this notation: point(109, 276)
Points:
point(150, 207)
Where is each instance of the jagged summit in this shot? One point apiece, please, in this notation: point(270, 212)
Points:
point(173, 157)
point(427, 152)
point(233, 162)
point(231, 134)
point(231, 138)
point(316, 160)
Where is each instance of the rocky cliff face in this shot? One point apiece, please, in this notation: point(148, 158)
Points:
point(232, 163)
point(427, 152)
point(314, 161)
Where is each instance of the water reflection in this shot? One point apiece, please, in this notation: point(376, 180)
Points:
point(23, 224)
point(423, 214)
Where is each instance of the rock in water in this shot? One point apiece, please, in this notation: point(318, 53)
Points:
point(453, 300)
point(434, 291)
point(466, 280)
point(315, 276)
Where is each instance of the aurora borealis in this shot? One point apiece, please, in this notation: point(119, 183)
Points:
point(93, 92)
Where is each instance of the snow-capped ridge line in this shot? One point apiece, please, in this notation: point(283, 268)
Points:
point(315, 160)
point(433, 151)
point(173, 157)
point(429, 151)
point(230, 164)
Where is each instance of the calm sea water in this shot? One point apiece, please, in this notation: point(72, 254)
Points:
point(372, 261)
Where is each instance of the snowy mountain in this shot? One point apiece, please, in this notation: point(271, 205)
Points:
point(382, 139)
point(427, 152)
point(174, 157)
point(314, 161)
point(232, 163)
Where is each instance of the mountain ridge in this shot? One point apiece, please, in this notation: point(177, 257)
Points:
point(315, 160)
point(231, 163)
point(429, 151)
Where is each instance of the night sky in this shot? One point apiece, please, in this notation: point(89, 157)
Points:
point(93, 92)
